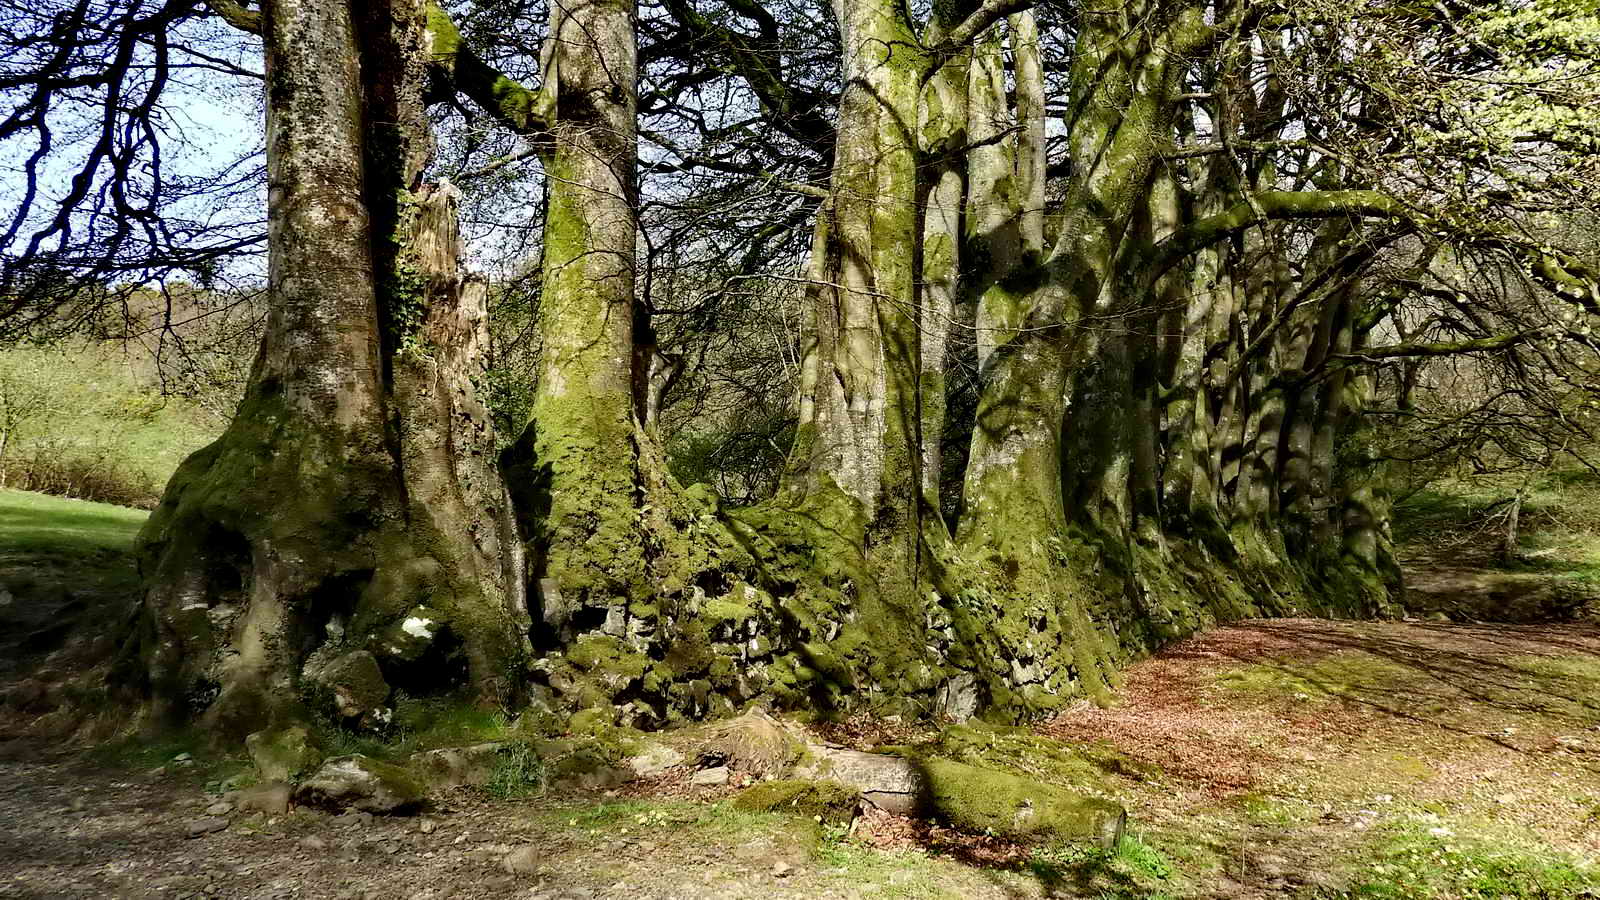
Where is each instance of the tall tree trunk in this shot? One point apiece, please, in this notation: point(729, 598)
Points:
point(1326, 526)
point(1314, 330)
point(1018, 511)
point(576, 468)
point(326, 531)
point(855, 460)
point(861, 483)
point(942, 115)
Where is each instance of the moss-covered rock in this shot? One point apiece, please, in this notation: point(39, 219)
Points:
point(824, 801)
point(593, 720)
point(586, 767)
point(354, 683)
point(1009, 806)
point(361, 782)
point(1020, 751)
point(755, 743)
point(283, 754)
point(449, 767)
point(608, 660)
point(595, 756)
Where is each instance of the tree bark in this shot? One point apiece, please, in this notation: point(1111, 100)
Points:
point(327, 520)
point(576, 467)
point(855, 452)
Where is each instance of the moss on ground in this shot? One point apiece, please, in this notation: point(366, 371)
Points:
point(984, 801)
point(828, 802)
point(1021, 752)
point(1323, 679)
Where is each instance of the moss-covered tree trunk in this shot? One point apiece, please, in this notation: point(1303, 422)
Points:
point(577, 466)
point(1056, 549)
point(350, 535)
point(856, 455)
point(1304, 486)
point(344, 537)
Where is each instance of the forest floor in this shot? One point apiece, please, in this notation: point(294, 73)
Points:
point(1284, 758)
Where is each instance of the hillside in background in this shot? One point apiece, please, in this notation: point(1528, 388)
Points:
point(93, 421)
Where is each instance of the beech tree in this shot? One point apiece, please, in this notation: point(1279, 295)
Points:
point(1179, 243)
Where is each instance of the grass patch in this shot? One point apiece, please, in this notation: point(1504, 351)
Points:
point(693, 821)
point(899, 875)
point(419, 724)
point(1262, 807)
point(1326, 678)
point(1423, 860)
point(1446, 507)
point(186, 754)
point(429, 723)
point(66, 567)
point(94, 422)
point(38, 525)
point(52, 548)
point(1132, 869)
point(1558, 527)
point(518, 772)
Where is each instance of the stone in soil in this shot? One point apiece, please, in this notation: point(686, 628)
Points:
point(361, 783)
point(523, 860)
point(270, 797)
point(283, 754)
point(206, 825)
point(653, 760)
point(716, 775)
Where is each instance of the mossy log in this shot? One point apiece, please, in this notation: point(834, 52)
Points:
point(980, 800)
point(989, 802)
point(824, 801)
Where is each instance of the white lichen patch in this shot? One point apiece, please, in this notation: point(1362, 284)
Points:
point(417, 627)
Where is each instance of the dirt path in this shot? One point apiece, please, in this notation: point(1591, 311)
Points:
point(1289, 758)
point(72, 829)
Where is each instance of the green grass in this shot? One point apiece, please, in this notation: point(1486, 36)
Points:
point(57, 554)
point(694, 821)
point(429, 723)
point(890, 875)
point(518, 772)
point(1558, 527)
point(39, 525)
point(96, 423)
point(1132, 869)
point(1424, 860)
point(62, 562)
point(187, 754)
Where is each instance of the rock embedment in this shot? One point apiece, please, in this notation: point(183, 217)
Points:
point(359, 782)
